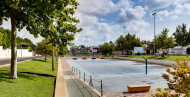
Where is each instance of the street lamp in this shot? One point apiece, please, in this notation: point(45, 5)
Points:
point(124, 41)
point(21, 45)
point(154, 14)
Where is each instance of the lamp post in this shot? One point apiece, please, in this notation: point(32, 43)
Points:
point(104, 38)
point(124, 42)
point(154, 14)
point(21, 45)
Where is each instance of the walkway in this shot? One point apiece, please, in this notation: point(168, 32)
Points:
point(75, 87)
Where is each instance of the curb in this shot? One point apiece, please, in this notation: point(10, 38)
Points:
point(60, 87)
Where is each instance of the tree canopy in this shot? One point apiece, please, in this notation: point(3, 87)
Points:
point(45, 48)
point(131, 41)
point(38, 16)
point(5, 38)
point(162, 40)
point(181, 35)
point(107, 48)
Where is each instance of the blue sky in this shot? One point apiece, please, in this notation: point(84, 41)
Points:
point(101, 18)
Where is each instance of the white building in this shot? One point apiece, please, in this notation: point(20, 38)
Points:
point(178, 49)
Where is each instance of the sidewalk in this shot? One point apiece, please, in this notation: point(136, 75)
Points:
point(68, 85)
point(75, 87)
point(60, 88)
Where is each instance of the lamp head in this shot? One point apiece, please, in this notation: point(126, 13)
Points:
point(154, 14)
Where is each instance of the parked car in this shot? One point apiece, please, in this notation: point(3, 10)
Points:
point(173, 53)
point(159, 53)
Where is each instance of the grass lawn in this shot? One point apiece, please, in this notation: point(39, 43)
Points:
point(37, 66)
point(166, 57)
point(27, 85)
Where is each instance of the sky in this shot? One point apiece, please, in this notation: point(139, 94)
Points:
point(104, 20)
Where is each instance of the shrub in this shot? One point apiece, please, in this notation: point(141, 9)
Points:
point(180, 75)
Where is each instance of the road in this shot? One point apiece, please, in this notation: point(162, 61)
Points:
point(8, 60)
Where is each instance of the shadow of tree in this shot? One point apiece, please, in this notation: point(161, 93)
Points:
point(41, 60)
point(5, 76)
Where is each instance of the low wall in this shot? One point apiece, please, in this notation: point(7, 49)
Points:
point(152, 61)
point(7, 53)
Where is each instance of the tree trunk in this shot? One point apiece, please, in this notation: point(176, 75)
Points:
point(13, 74)
point(53, 59)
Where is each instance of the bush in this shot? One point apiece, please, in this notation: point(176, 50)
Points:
point(180, 75)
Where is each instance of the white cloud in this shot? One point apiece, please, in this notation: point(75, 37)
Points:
point(131, 14)
point(158, 4)
point(180, 8)
point(139, 26)
point(93, 28)
point(96, 7)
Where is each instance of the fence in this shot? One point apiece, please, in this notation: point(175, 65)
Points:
point(20, 53)
point(92, 82)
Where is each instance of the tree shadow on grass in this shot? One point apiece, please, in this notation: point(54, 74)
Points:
point(5, 76)
point(41, 60)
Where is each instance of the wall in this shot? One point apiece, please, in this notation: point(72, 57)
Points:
point(7, 53)
point(152, 61)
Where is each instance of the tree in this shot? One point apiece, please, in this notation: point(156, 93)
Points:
point(181, 35)
point(162, 41)
point(34, 15)
point(107, 48)
point(180, 75)
point(131, 41)
point(5, 38)
point(26, 43)
point(120, 44)
point(44, 48)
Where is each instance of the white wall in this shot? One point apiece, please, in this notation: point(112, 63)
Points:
point(7, 53)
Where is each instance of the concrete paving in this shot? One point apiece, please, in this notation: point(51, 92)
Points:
point(75, 87)
point(60, 88)
point(8, 60)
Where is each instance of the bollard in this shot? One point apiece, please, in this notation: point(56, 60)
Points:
point(91, 81)
point(79, 74)
point(72, 68)
point(101, 89)
point(84, 76)
point(76, 70)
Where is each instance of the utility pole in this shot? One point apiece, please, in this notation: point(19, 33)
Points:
point(104, 38)
point(124, 41)
point(154, 14)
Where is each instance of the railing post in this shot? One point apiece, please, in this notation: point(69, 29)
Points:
point(91, 81)
point(84, 76)
point(72, 68)
point(79, 74)
point(76, 70)
point(101, 89)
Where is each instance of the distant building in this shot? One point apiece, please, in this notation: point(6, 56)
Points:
point(79, 50)
point(147, 50)
point(94, 47)
point(179, 50)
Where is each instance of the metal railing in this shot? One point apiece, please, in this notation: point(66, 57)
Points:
point(92, 82)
